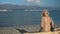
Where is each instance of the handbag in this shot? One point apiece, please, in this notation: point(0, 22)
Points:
point(52, 28)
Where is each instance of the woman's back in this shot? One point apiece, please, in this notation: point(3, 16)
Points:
point(46, 21)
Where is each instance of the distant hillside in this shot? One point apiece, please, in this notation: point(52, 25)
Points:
point(10, 6)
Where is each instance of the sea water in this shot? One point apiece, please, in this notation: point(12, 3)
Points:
point(18, 17)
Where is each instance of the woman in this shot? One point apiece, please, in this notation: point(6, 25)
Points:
point(46, 21)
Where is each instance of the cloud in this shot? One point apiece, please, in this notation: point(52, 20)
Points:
point(29, 0)
point(37, 2)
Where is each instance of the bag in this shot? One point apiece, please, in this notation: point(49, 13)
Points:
point(52, 29)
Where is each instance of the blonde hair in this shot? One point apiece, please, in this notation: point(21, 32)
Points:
point(42, 14)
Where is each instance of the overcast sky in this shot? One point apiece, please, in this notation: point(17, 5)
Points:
point(45, 3)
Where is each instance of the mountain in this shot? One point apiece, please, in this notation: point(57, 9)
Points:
point(10, 6)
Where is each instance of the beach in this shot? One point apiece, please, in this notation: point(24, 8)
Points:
point(27, 29)
point(18, 30)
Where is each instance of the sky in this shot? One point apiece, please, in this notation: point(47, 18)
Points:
point(45, 3)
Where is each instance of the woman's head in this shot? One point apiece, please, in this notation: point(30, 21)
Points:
point(45, 13)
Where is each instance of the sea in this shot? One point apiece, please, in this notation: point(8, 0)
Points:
point(19, 17)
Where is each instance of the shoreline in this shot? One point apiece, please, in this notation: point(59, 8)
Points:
point(20, 29)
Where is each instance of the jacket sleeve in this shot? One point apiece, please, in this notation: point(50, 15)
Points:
point(52, 22)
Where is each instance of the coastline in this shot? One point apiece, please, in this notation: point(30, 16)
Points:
point(31, 29)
